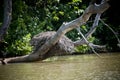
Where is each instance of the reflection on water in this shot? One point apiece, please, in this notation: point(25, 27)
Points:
point(81, 67)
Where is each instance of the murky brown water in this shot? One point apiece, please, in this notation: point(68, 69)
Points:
point(81, 67)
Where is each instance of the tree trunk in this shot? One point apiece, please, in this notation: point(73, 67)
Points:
point(6, 22)
point(65, 27)
point(7, 18)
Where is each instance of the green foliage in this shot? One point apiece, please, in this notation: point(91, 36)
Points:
point(84, 48)
point(23, 45)
point(20, 46)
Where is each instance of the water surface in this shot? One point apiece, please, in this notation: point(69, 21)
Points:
point(80, 67)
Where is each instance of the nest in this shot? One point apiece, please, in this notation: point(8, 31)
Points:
point(62, 47)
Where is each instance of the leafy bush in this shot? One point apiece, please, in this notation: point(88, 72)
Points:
point(84, 48)
point(20, 46)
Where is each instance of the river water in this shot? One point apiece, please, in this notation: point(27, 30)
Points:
point(79, 67)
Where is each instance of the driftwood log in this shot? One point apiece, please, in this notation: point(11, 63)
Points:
point(56, 43)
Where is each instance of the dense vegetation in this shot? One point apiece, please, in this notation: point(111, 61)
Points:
point(32, 17)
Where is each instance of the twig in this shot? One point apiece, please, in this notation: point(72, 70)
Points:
point(78, 29)
point(112, 31)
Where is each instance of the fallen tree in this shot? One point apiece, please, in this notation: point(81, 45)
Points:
point(56, 43)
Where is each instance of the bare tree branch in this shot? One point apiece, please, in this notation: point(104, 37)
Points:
point(88, 44)
point(94, 26)
point(112, 31)
point(91, 31)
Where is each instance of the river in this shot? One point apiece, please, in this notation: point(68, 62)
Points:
point(76, 67)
